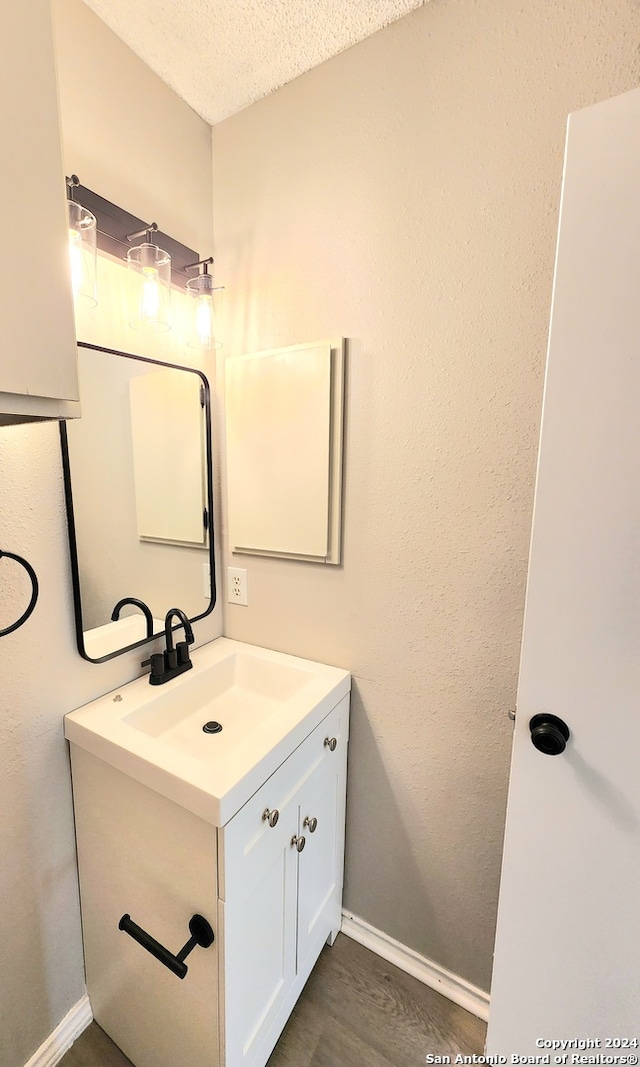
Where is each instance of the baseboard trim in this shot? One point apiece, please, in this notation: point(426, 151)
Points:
point(432, 974)
point(60, 1041)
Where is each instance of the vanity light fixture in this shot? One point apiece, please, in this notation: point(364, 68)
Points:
point(82, 246)
point(158, 259)
point(153, 265)
point(202, 289)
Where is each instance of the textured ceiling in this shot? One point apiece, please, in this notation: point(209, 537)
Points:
point(221, 55)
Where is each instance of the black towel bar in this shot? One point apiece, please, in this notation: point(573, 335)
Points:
point(201, 934)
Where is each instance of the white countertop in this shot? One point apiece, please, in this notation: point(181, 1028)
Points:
point(266, 702)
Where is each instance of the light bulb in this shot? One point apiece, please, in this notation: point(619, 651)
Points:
point(201, 288)
point(153, 289)
point(82, 253)
point(150, 302)
point(204, 320)
point(75, 261)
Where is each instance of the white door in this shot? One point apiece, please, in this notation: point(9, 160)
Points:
point(567, 961)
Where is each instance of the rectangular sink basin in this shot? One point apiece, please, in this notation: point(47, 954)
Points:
point(256, 704)
point(239, 694)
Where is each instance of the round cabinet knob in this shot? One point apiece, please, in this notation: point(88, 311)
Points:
point(549, 734)
point(310, 824)
point(299, 842)
point(331, 743)
point(271, 816)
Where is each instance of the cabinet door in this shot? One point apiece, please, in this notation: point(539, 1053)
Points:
point(258, 957)
point(39, 349)
point(320, 864)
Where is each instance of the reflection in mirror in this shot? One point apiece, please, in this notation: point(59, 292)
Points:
point(138, 483)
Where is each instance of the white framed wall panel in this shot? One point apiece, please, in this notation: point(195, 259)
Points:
point(284, 417)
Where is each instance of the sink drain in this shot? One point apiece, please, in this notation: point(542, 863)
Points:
point(212, 727)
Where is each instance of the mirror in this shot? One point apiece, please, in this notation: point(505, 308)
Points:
point(139, 493)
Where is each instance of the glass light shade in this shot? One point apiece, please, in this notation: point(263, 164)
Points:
point(203, 332)
point(153, 301)
point(82, 253)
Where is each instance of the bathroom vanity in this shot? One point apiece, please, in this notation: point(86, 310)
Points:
point(242, 825)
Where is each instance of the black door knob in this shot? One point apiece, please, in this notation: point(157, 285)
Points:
point(549, 734)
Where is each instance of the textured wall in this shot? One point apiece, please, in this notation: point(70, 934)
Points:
point(405, 194)
point(42, 676)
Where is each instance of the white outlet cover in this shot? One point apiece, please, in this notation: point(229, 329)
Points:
point(237, 586)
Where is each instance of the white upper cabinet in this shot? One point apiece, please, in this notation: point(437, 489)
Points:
point(38, 376)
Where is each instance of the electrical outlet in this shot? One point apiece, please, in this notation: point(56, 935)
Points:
point(237, 585)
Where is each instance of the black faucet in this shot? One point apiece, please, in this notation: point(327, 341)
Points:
point(146, 611)
point(173, 661)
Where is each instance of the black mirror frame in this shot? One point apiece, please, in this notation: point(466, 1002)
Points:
point(71, 526)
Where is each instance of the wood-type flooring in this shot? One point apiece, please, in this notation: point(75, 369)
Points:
point(356, 1010)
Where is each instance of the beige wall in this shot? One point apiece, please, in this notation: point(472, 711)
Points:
point(128, 137)
point(126, 134)
point(405, 194)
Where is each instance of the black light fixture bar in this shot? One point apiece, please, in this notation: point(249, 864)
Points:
point(115, 225)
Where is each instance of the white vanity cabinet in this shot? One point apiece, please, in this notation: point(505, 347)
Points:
point(272, 900)
point(38, 374)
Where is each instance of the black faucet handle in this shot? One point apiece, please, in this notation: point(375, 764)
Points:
point(182, 648)
point(156, 662)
